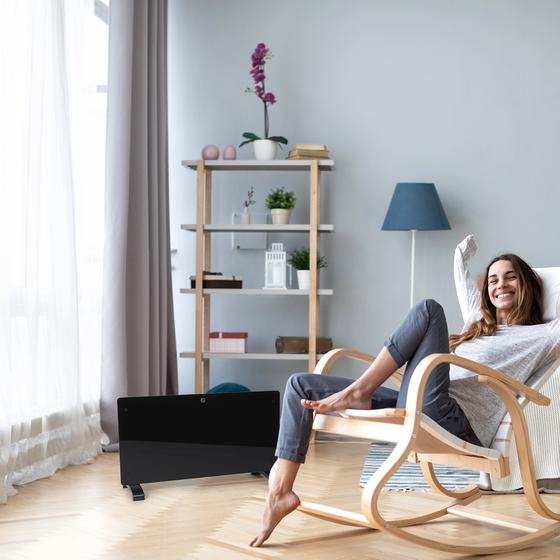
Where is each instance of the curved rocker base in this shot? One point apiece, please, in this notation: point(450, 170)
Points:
point(511, 545)
point(538, 532)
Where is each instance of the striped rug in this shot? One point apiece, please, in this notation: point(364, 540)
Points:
point(409, 476)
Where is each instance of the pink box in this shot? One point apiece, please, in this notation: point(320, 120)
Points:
point(234, 342)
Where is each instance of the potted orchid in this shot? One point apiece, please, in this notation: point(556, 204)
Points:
point(265, 148)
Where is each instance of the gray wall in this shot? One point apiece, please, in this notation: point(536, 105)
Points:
point(462, 94)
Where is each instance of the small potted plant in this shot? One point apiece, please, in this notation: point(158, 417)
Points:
point(299, 259)
point(265, 147)
point(280, 203)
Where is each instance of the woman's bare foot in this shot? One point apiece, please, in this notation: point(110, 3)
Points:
point(276, 508)
point(351, 397)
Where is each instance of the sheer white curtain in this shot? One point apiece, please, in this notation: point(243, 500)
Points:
point(51, 236)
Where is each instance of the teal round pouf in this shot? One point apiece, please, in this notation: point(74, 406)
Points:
point(229, 388)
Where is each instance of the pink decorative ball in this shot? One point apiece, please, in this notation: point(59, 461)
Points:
point(230, 152)
point(210, 152)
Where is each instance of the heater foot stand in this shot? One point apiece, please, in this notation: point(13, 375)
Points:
point(137, 492)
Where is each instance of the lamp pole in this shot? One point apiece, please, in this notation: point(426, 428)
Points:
point(412, 252)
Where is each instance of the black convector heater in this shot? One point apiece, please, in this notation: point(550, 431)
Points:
point(191, 436)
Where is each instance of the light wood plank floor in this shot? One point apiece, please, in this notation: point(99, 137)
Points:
point(84, 513)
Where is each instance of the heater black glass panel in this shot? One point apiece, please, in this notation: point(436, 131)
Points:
point(190, 436)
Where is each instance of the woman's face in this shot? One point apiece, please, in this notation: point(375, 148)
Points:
point(503, 288)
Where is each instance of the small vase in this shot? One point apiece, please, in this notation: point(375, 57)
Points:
point(265, 149)
point(303, 279)
point(229, 152)
point(246, 216)
point(210, 152)
point(281, 216)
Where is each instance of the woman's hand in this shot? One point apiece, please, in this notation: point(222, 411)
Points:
point(468, 247)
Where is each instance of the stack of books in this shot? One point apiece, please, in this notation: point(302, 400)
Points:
point(309, 151)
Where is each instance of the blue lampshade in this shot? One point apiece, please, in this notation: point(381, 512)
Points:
point(415, 206)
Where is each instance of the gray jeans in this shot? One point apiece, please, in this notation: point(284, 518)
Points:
point(422, 332)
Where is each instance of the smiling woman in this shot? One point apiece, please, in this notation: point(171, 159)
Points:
point(502, 289)
point(515, 291)
point(509, 336)
point(511, 294)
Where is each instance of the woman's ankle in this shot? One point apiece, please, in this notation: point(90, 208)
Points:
point(282, 477)
point(278, 493)
point(360, 390)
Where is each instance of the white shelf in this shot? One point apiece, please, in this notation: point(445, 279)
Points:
point(248, 356)
point(284, 228)
point(257, 292)
point(254, 165)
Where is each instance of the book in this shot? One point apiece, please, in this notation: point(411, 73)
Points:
point(309, 155)
point(310, 147)
point(222, 284)
point(313, 153)
point(218, 276)
point(218, 280)
point(306, 157)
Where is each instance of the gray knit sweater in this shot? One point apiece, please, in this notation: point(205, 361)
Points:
point(517, 350)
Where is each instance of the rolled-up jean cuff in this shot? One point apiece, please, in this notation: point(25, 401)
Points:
point(290, 456)
point(395, 354)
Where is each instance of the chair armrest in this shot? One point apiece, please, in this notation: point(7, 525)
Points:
point(326, 362)
point(483, 372)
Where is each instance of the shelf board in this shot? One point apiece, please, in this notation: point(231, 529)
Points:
point(248, 356)
point(254, 165)
point(284, 228)
point(257, 292)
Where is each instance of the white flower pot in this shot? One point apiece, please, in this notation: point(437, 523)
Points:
point(303, 279)
point(265, 149)
point(281, 216)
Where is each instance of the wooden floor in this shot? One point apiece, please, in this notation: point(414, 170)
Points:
point(84, 513)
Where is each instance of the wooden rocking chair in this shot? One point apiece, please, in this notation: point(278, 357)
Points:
point(420, 440)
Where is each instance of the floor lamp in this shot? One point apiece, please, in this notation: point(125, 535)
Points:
point(415, 206)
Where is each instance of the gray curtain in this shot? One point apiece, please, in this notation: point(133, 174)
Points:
point(138, 343)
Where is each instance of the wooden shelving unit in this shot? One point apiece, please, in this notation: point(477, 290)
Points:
point(204, 228)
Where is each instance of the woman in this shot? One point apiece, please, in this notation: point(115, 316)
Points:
point(504, 330)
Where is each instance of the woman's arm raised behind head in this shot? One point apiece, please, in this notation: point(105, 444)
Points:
point(468, 293)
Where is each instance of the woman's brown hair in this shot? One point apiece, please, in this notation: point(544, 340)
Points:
point(527, 312)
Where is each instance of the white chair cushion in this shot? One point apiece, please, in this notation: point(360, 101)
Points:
point(551, 291)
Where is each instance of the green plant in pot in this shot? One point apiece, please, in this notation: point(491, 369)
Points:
point(280, 203)
point(299, 259)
